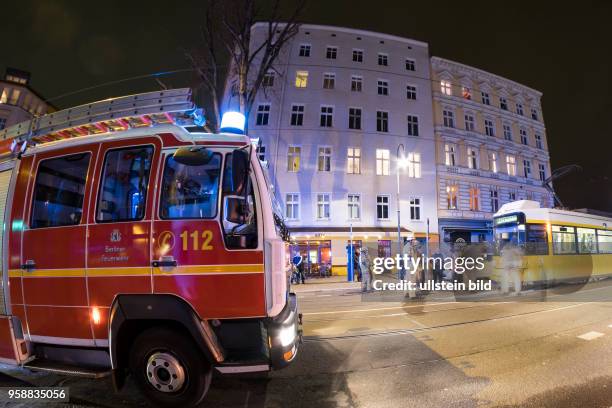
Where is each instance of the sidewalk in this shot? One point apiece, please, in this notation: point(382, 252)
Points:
point(327, 284)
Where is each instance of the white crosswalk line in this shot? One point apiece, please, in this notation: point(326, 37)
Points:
point(590, 335)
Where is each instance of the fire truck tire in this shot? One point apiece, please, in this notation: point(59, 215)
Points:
point(168, 368)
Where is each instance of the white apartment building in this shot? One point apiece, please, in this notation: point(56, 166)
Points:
point(331, 119)
point(18, 101)
point(491, 148)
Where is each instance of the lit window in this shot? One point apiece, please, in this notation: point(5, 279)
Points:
point(414, 165)
point(327, 116)
point(445, 87)
point(466, 92)
point(415, 208)
point(563, 239)
point(354, 206)
point(353, 165)
point(263, 115)
point(451, 196)
point(293, 158)
point(382, 121)
point(297, 115)
point(474, 199)
point(382, 207)
point(323, 206)
point(449, 153)
point(472, 157)
point(304, 50)
point(493, 162)
point(15, 96)
point(587, 240)
point(4, 96)
point(329, 81)
point(301, 79)
point(324, 160)
point(292, 206)
point(511, 165)
point(382, 162)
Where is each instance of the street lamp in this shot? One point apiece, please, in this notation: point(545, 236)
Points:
point(402, 163)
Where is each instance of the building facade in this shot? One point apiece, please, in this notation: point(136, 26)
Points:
point(332, 118)
point(491, 148)
point(18, 101)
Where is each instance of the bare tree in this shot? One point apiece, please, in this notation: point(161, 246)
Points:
point(227, 50)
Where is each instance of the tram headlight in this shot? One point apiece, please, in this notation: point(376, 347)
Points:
point(287, 335)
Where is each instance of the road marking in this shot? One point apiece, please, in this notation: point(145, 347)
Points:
point(590, 335)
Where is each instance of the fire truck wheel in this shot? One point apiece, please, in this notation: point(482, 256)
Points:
point(169, 369)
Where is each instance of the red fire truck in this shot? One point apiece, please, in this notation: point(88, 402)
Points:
point(133, 244)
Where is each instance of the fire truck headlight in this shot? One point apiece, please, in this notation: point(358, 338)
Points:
point(287, 335)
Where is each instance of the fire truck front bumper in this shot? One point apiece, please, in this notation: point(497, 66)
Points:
point(285, 334)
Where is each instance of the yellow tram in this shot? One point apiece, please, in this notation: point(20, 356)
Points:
point(556, 245)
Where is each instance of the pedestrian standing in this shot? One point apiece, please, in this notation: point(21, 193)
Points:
point(511, 262)
point(356, 268)
point(366, 270)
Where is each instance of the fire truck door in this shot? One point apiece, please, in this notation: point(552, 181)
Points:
point(53, 247)
point(118, 253)
point(190, 256)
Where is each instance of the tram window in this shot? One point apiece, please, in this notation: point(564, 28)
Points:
point(604, 241)
point(190, 191)
point(536, 242)
point(564, 239)
point(587, 242)
point(125, 180)
point(59, 191)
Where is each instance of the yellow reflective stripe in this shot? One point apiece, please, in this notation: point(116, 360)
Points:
point(60, 273)
point(207, 269)
point(119, 271)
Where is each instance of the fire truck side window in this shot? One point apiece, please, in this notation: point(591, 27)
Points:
point(190, 191)
point(125, 179)
point(59, 191)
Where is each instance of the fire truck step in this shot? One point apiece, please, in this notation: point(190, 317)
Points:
point(66, 369)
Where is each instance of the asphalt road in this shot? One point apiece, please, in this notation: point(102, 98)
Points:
point(496, 352)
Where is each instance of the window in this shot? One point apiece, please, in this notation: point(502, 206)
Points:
point(445, 87)
point(587, 241)
point(329, 81)
point(382, 121)
point(449, 118)
point(413, 125)
point(512, 195)
point(507, 132)
point(331, 52)
point(383, 87)
point(354, 118)
point(494, 194)
point(519, 109)
point(466, 93)
point(327, 116)
point(415, 208)
point(357, 55)
point(323, 206)
point(293, 158)
point(382, 162)
point(472, 158)
point(534, 114)
point(564, 239)
point(542, 171)
point(261, 152)
point(474, 199)
point(536, 240)
point(123, 191)
point(292, 206)
point(268, 79)
point(2, 123)
point(526, 168)
point(503, 103)
point(493, 162)
point(451, 196)
point(324, 159)
point(523, 134)
point(511, 165)
point(414, 165)
point(410, 64)
point(489, 127)
point(538, 140)
point(15, 96)
point(604, 241)
point(59, 191)
point(382, 207)
point(353, 164)
point(297, 115)
point(301, 79)
point(411, 92)
point(449, 153)
point(190, 191)
point(383, 59)
point(4, 96)
point(263, 114)
point(485, 98)
point(354, 206)
point(356, 83)
point(469, 122)
point(304, 50)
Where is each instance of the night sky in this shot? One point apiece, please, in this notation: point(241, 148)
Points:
point(565, 52)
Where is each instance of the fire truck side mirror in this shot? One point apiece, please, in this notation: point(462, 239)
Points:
point(240, 172)
point(234, 210)
point(192, 155)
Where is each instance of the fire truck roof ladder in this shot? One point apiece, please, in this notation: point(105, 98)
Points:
point(115, 114)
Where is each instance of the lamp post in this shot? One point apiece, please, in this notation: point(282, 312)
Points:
point(401, 163)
